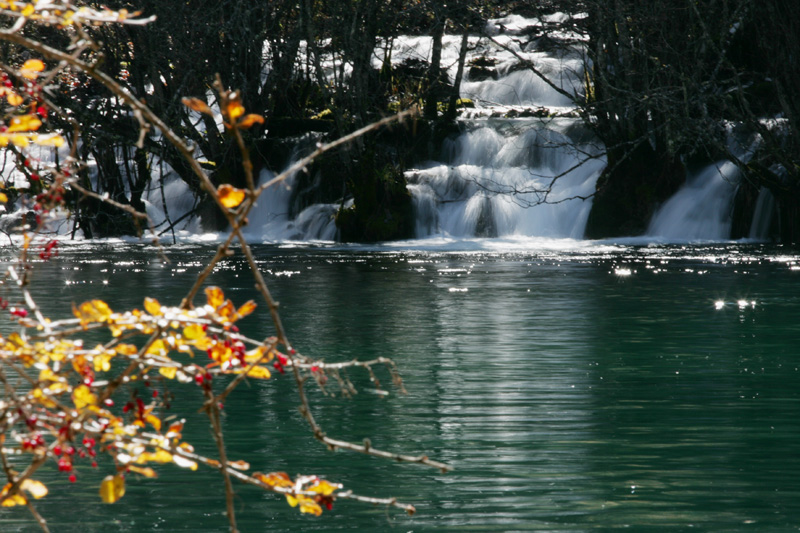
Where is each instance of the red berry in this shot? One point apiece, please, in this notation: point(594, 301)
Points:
point(72, 478)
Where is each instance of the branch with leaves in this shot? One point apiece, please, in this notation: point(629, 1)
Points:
point(66, 401)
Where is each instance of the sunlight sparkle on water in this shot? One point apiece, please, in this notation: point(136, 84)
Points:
point(744, 304)
point(719, 304)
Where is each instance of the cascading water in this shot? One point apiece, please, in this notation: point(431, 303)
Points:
point(501, 176)
point(701, 209)
point(523, 164)
point(509, 177)
point(270, 220)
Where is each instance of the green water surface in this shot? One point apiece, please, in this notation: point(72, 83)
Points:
point(593, 389)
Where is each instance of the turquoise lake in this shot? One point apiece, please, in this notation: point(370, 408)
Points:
point(576, 387)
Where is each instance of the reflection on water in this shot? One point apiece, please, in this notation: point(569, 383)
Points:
point(578, 390)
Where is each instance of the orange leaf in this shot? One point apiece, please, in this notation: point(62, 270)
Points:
point(249, 120)
point(196, 104)
point(230, 196)
point(214, 296)
point(246, 309)
point(31, 69)
point(146, 472)
point(274, 479)
point(235, 109)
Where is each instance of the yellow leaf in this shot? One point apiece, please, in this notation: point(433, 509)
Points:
point(3, 197)
point(196, 104)
point(193, 331)
point(83, 396)
point(37, 489)
point(307, 505)
point(168, 371)
point(52, 139)
point(214, 296)
point(255, 355)
point(23, 123)
point(94, 310)
point(112, 488)
point(42, 398)
point(246, 309)
point(14, 99)
point(152, 306)
point(230, 196)
point(19, 139)
point(324, 488)
point(249, 120)
point(32, 68)
point(16, 499)
point(153, 421)
point(292, 500)
point(126, 349)
point(259, 372)
point(203, 343)
point(157, 348)
point(28, 11)
point(102, 362)
point(159, 456)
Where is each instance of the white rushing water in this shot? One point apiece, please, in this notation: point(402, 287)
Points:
point(501, 176)
point(511, 177)
point(522, 166)
point(701, 209)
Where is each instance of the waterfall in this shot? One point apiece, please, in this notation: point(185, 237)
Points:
point(270, 220)
point(701, 209)
point(509, 177)
point(522, 164)
point(502, 176)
